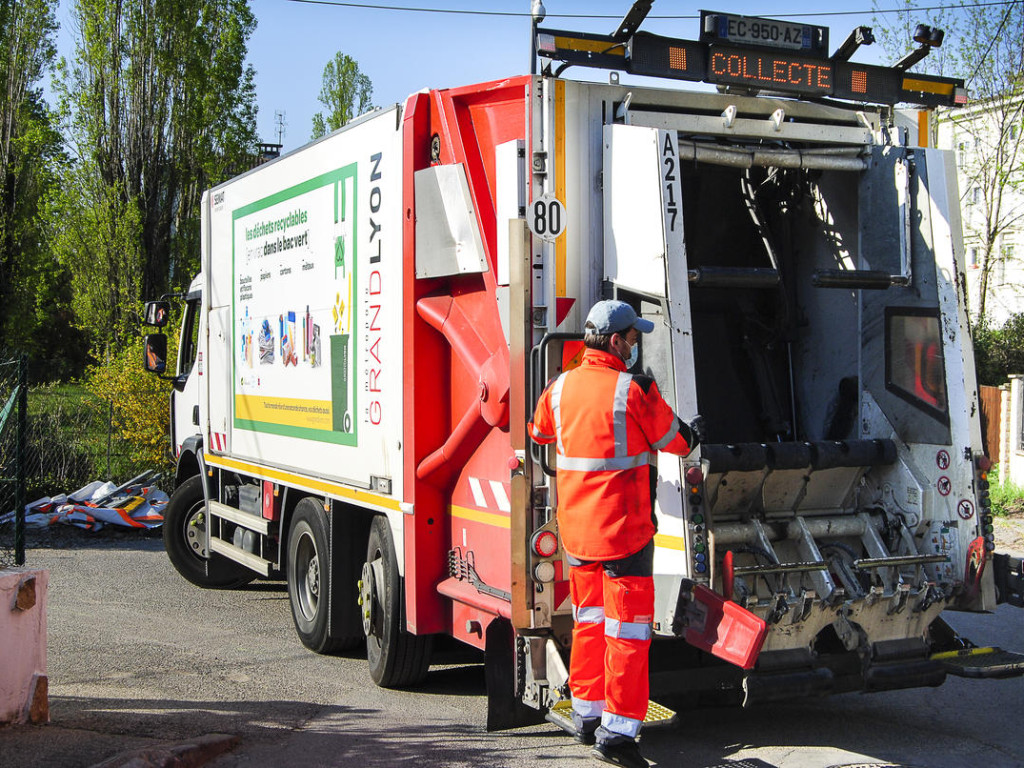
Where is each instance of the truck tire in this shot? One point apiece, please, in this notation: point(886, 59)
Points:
point(397, 658)
point(310, 588)
point(184, 541)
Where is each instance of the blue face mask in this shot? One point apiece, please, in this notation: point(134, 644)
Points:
point(631, 360)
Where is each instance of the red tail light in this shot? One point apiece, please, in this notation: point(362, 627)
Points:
point(545, 543)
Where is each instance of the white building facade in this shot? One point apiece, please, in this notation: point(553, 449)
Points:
point(987, 136)
point(1011, 432)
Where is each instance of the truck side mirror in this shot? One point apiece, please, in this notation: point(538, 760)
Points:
point(157, 313)
point(154, 357)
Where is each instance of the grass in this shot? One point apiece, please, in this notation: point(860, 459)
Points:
point(1007, 497)
point(70, 441)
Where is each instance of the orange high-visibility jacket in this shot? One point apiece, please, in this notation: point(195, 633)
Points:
point(607, 425)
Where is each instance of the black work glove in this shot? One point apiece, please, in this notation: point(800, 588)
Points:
point(695, 432)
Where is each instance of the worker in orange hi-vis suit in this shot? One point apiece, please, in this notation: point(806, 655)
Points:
point(608, 426)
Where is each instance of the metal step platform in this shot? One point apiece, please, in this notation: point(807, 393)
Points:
point(981, 662)
point(657, 716)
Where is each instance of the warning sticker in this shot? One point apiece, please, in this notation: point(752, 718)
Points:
point(965, 509)
point(944, 485)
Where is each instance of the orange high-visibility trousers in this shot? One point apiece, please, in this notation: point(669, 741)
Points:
point(608, 667)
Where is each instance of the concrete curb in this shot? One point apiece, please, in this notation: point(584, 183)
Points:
point(186, 754)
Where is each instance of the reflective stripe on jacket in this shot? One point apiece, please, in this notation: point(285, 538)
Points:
point(607, 426)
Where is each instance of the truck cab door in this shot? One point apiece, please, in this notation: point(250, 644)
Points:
point(185, 398)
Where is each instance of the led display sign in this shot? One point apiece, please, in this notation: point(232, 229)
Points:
point(667, 57)
point(759, 69)
point(860, 82)
point(775, 70)
point(882, 85)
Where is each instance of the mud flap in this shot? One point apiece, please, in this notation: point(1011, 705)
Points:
point(349, 531)
point(504, 708)
point(219, 568)
point(1008, 572)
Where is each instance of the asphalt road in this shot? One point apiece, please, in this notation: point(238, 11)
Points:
point(137, 656)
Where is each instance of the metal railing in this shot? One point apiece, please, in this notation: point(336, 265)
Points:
point(54, 439)
point(13, 409)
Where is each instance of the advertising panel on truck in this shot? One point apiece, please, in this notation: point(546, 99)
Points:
point(315, 330)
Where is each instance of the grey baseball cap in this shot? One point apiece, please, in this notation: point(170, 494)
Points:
point(610, 317)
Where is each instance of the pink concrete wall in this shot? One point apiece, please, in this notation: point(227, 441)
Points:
point(23, 682)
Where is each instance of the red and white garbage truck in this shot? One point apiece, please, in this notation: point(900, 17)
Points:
point(378, 311)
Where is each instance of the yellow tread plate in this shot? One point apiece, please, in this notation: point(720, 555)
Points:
point(962, 653)
point(657, 715)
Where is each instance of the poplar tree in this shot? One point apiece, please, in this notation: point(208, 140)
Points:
point(27, 147)
point(158, 105)
point(346, 93)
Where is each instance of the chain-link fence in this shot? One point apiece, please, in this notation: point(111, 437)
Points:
point(70, 438)
point(13, 373)
point(72, 441)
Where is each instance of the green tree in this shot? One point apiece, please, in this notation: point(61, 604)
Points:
point(96, 230)
point(30, 151)
point(26, 50)
point(158, 105)
point(998, 352)
point(346, 93)
point(895, 33)
point(36, 315)
point(985, 47)
point(139, 402)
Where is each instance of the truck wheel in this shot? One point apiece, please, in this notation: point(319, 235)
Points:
point(185, 541)
point(397, 658)
point(310, 586)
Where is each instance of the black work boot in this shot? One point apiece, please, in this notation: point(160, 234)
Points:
point(585, 728)
point(620, 751)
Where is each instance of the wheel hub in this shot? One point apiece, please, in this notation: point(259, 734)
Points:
point(307, 575)
point(313, 577)
point(195, 531)
point(366, 599)
point(370, 597)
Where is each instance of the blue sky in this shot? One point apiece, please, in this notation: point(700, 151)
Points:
point(403, 51)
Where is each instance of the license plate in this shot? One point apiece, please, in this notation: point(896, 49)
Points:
point(750, 30)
